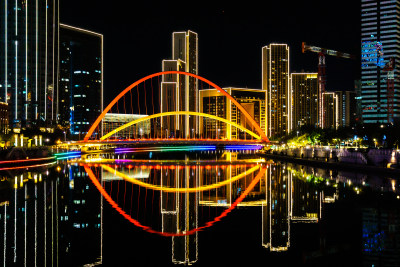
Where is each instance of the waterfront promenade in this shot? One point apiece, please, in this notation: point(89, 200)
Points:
point(346, 161)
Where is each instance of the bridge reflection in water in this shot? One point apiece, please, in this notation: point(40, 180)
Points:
point(286, 194)
point(49, 215)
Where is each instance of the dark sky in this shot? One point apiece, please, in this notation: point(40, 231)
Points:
point(137, 36)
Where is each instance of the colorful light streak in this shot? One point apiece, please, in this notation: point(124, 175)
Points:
point(27, 166)
point(25, 160)
point(197, 140)
point(68, 155)
point(243, 147)
point(233, 100)
point(164, 149)
point(159, 163)
point(107, 197)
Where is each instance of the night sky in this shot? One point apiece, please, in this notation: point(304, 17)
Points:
point(138, 36)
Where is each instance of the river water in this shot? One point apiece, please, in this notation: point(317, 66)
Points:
point(199, 209)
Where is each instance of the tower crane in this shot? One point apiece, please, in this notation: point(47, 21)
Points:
point(321, 72)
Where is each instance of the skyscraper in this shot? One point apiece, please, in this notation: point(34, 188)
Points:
point(215, 103)
point(275, 80)
point(28, 61)
point(305, 99)
point(172, 92)
point(380, 42)
point(331, 110)
point(358, 91)
point(185, 88)
point(81, 78)
point(347, 108)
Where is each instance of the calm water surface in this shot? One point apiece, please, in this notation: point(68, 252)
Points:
point(196, 209)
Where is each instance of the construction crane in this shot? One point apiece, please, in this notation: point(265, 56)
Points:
point(321, 72)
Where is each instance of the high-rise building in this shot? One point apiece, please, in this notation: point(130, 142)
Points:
point(330, 112)
point(305, 99)
point(80, 96)
point(28, 61)
point(172, 90)
point(380, 42)
point(4, 124)
point(357, 89)
point(275, 80)
point(215, 103)
point(180, 92)
point(347, 108)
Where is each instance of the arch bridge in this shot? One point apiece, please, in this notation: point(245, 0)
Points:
point(149, 126)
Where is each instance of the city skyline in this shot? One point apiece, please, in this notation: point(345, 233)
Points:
point(186, 51)
point(163, 133)
point(224, 31)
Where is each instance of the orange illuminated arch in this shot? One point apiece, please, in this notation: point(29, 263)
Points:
point(115, 100)
point(114, 204)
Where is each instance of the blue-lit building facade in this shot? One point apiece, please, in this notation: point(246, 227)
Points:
point(380, 42)
point(28, 61)
point(80, 78)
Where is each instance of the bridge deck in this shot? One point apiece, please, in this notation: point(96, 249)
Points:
point(172, 142)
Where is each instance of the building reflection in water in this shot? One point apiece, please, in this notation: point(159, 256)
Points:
point(276, 210)
point(180, 212)
point(54, 216)
point(290, 198)
point(40, 212)
point(179, 207)
point(287, 194)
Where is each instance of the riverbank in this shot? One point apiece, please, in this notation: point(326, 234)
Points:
point(333, 165)
point(19, 158)
point(20, 153)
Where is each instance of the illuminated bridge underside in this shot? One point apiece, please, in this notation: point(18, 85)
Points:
point(165, 140)
point(173, 113)
point(172, 162)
